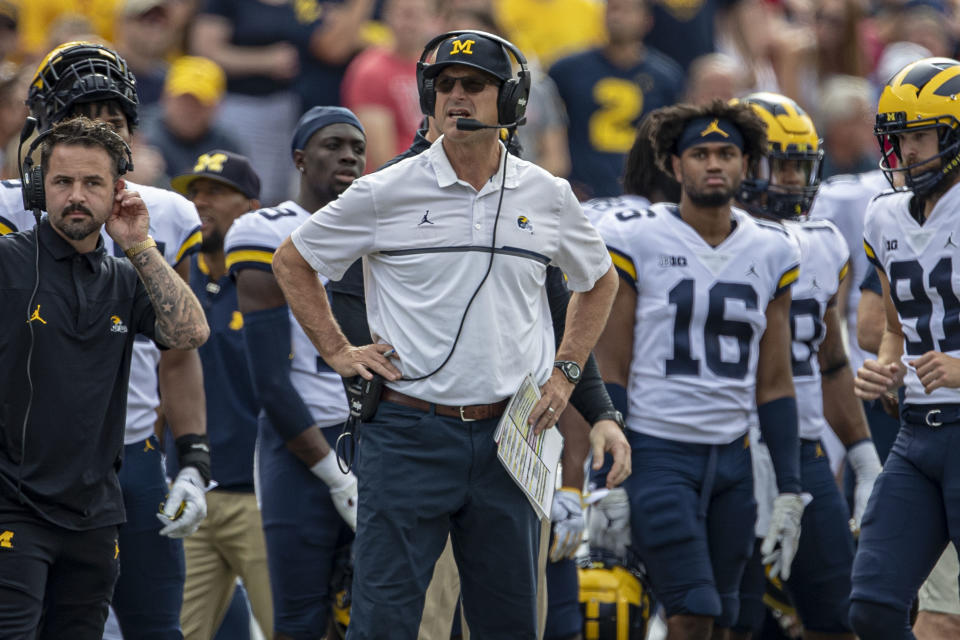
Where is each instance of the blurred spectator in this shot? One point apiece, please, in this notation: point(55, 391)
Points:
point(715, 76)
point(256, 44)
point(380, 85)
point(145, 35)
point(846, 117)
point(543, 139)
point(606, 91)
point(927, 24)
point(13, 93)
point(186, 127)
point(182, 13)
point(336, 33)
point(751, 44)
point(37, 18)
point(686, 30)
point(279, 56)
point(549, 29)
point(71, 27)
point(840, 49)
point(9, 38)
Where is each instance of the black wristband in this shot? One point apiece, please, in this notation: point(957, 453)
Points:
point(835, 368)
point(193, 450)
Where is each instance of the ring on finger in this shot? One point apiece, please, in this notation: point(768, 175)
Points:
point(551, 410)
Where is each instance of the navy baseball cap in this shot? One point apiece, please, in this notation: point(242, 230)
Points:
point(472, 50)
point(232, 169)
point(317, 118)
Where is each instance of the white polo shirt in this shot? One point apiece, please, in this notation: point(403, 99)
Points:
point(425, 237)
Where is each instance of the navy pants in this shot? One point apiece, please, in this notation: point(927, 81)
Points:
point(303, 531)
point(423, 476)
point(912, 514)
point(692, 514)
point(149, 593)
point(564, 618)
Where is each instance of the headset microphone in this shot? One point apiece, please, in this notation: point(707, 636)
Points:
point(469, 124)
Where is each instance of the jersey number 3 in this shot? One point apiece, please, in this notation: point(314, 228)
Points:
point(682, 363)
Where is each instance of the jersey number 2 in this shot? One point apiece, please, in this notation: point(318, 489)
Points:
point(682, 363)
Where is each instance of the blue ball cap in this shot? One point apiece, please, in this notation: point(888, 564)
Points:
point(473, 50)
point(317, 118)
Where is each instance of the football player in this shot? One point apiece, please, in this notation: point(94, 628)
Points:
point(782, 191)
point(911, 237)
point(302, 490)
point(81, 78)
point(701, 329)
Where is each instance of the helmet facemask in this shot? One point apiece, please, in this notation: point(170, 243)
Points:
point(761, 194)
point(933, 179)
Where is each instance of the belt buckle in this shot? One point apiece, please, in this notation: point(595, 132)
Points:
point(463, 417)
point(930, 419)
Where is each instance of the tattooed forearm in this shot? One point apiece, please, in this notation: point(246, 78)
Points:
point(181, 323)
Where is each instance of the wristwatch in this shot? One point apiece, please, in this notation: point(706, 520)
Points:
point(570, 369)
point(614, 415)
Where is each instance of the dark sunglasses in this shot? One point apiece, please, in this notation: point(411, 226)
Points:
point(470, 84)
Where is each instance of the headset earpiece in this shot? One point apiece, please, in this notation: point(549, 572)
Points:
point(34, 197)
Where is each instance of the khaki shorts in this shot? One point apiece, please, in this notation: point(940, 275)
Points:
point(940, 591)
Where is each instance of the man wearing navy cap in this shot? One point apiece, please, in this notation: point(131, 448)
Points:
point(459, 236)
point(303, 402)
point(229, 543)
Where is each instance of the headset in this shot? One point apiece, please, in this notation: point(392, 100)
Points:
point(31, 177)
point(513, 95)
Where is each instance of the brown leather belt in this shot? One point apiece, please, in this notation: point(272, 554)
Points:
point(467, 413)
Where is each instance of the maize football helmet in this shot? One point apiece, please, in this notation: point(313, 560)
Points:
point(922, 95)
point(793, 144)
point(616, 603)
point(78, 72)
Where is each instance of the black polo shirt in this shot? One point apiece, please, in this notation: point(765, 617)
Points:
point(85, 315)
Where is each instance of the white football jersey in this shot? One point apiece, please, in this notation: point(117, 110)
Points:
point(922, 263)
point(175, 226)
point(250, 244)
point(626, 205)
point(843, 201)
point(824, 261)
point(699, 318)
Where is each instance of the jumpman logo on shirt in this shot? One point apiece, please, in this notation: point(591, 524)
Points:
point(425, 220)
point(36, 316)
point(950, 242)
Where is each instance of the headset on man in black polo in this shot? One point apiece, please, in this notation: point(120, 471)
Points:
point(511, 99)
point(31, 177)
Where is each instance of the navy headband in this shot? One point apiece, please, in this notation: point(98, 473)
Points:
point(317, 118)
point(708, 129)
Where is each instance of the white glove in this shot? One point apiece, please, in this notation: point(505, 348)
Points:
point(343, 487)
point(609, 523)
point(568, 523)
point(186, 505)
point(780, 545)
point(866, 467)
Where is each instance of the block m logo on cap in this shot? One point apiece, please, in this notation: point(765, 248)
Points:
point(208, 162)
point(462, 46)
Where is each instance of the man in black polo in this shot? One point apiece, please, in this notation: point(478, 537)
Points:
point(68, 317)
